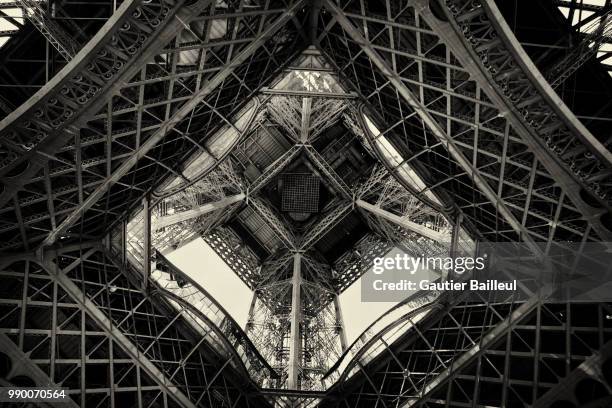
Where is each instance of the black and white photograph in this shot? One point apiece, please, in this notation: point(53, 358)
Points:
point(306, 203)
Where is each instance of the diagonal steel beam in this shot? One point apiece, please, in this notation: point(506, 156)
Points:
point(471, 63)
point(178, 116)
point(117, 335)
point(53, 32)
point(485, 342)
point(403, 222)
point(269, 216)
point(325, 224)
point(39, 156)
point(25, 365)
point(274, 168)
point(430, 122)
point(586, 369)
point(320, 162)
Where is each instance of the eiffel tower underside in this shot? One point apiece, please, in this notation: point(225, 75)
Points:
point(300, 140)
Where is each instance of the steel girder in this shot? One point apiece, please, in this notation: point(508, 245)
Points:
point(55, 34)
point(297, 327)
point(122, 150)
point(443, 123)
point(144, 326)
point(405, 223)
point(479, 353)
point(18, 367)
point(78, 314)
point(537, 355)
point(512, 189)
point(586, 384)
point(72, 92)
point(207, 315)
point(181, 216)
point(574, 157)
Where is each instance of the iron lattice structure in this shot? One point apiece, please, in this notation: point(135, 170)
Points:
point(423, 125)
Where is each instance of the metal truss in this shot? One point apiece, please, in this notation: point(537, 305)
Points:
point(585, 50)
point(197, 209)
point(239, 257)
point(145, 136)
point(301, 116)
point(299, 307)
point(19, 370)
point(269, 326)
point(299, 302)
point(124, 150)
point(207, 316)
point(79, 313)
point(410, 242)
point(572, 155)
point(352, 264)
point(536, 355)
point(383, 196)
point(329, 110)
point(580, 16)
point(55, 113)
point(336, 181)
point(401, 219)
point(507, 355)
point(286, 111)
point(274, 221)
point(191, 212)
point(275, 168)
point(337, 209)
point(198, 369)
point(377, 337)
point(54, 33)
point(512, 195)
point(416, 103)
point(168, 220)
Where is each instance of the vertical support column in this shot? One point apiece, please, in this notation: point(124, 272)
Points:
point(454, 245)
point(340, 323)
point(295, 351)
point(305, 129)
point(124, 240)
point(146, 241)
point(251, 316)
point(24, 304)
point(455, 237)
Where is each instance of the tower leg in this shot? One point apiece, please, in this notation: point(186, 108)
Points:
point(340, 323)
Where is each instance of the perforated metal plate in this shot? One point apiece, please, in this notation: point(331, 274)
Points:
point(300, 193)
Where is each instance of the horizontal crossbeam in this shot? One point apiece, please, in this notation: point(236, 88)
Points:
point(403, 222)
point(168, 220)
